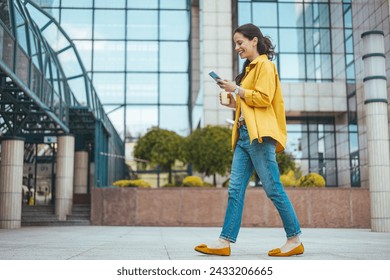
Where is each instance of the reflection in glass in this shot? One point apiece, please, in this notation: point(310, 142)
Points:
point(84, 48)
point(139, 119)
point(142, 56)
point(117, 117)
point(265, 14)
point(142, 4)
point(290, 15)
point(75, 3)
point(78, 87)
point(109, 56)
point(244, 13)
point(77, 23)
point(173, 4)
point(142, 88)
point(142, 25)
point(290, 40)
point(110, 4)
point(292, 66)
point(70, 63)
point(174, 88)
point(110, 87)
point(109, 24)
point(175, 118)
point(174, 25)
point(174, 51)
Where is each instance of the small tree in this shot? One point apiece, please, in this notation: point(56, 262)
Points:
point(285, 162)
point(209, 150)
point(160, 147)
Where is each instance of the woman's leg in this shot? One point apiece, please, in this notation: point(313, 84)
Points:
point(242, 169)
point(264, 159)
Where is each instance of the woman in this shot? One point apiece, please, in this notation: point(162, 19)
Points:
point(259, 132)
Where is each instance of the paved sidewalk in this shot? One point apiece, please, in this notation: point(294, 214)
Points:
point(177, 243)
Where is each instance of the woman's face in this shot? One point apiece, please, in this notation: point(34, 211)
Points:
point(244, 47)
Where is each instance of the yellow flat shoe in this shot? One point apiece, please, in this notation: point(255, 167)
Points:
point(202, 248)
point(278, 253)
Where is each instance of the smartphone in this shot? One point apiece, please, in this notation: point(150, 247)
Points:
point(214, 76)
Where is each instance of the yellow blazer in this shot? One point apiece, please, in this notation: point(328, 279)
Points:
point(263, 106)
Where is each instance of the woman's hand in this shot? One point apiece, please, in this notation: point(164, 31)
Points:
point(232, 103)
point(227, 85)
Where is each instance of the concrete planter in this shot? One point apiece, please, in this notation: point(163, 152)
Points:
point(315, 207)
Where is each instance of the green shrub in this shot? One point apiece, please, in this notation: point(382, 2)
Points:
point(193, 181)
point(311, 180)
point(288, 179)
point(132, 183)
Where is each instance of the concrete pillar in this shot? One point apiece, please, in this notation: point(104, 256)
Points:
point(64, 176)
point(11, 180)
point(81, 172)
point(375, 101)
point(217, 53)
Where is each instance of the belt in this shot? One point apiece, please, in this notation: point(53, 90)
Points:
point(240, 123)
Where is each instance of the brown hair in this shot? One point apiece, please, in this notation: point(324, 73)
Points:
point(264, 45)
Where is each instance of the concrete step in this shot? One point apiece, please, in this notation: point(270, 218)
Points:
point(45, 216)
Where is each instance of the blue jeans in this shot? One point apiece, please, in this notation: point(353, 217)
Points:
point(262, 158)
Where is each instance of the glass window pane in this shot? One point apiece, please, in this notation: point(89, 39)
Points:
point(142, 56)
point(110, 4)
point(55, 38)
point(142, 4)
point(54, 12)
point(69, 62)
point(45, 3)
point(292, 66)
point(174, 25)
point(109, 56)
point(174, 56)
point(175, 118)
point(323, 10)
point(84, 48)
point(142, 25)
point(139, 119)
point(109, 24)
point(76, 3)
point(110, 87)
point(326, 66)
point(349, 45)
point(290, 15)
point(291, 40)
point(39, 18)
point(174, 88)
point(173, 4)
point(142, 88)
point(264, 14)
point(273, 34)
point(78, 88)
point(348, 17)
point(244, 13)
point(117, 117)
point(77, 23)
point(351, 71)
point(325, 40)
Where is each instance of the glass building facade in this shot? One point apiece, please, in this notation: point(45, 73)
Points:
point(137, 53)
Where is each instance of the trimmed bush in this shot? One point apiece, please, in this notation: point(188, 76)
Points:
point(132, 183)
point(311, 180)
point(193, 181)
point(288, 179)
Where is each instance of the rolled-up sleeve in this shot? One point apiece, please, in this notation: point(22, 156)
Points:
point(264, 87)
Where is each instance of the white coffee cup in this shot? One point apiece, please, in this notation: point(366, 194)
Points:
point(225, 99)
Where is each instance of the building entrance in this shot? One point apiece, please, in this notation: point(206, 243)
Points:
point(39, 174)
